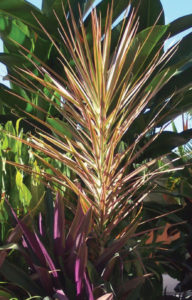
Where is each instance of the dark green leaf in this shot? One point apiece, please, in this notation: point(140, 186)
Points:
point(180, 25)
point(149, 12)
point(166, 142)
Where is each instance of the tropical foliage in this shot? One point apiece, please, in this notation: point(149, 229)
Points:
point(94, 118)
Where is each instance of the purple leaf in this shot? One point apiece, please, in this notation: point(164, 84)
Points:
point(47, 258)
point(76, 241)
point(88, 287)
point(78, 277)
point(75, 226)
point(45, 279)
point(82, 255)
point(36, 246)
point(59, 226)
point(31, 239)
point(109, 252)
point(77, 267)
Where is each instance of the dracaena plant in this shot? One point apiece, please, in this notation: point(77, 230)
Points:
point(99, 99)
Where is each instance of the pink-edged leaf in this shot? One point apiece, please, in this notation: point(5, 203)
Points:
point(76, 243)
point(48, 259)
point(80, 267)
point(60, 295)
point(82, 255)
point(40, 224)
point(75, 226)
point(78, 279)
point(88, 286)
point(37, 247)
point(108, 296)
point(31, 239)
point(59, 226)
point(80, 225)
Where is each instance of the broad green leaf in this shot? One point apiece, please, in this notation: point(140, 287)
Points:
point(47, 6)
point(180, 25)
point(166, 142)
point(179, 104)
point(147, 40)
point(11, 142)
point(149, 12)
point(178, 87)
point(183, 52)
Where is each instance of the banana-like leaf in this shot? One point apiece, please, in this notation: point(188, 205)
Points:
point(166, 142)
point(183, 52)
point(146, 41)
point(149, 12)
point(180, 24)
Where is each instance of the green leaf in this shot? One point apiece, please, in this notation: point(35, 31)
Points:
point(166, 142)
point(178, 86)
point(180, 25)
point(147, 40)
point(179, 104)
point(184, 51)
point(47, 6)
point(12, 60)
point(12, 101)
point(149, 12)
point(22, 11)
point(24, 193)
point(14, 30)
